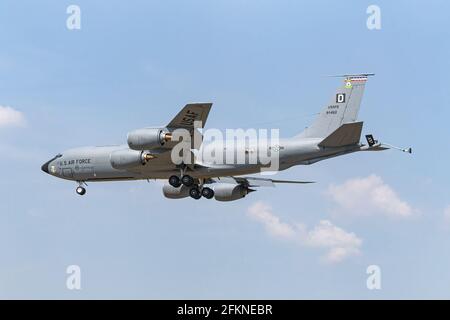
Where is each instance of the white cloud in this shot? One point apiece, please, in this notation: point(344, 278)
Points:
point(338, 243)
point(10, 117)
point(263, 213)
point(370, 195)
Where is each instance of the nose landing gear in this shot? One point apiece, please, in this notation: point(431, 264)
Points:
point(80, 189)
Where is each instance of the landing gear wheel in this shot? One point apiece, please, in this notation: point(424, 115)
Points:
point(81, 191)
point(208, 193)
point(195, 193)
point(174, 181)
point(187, 180)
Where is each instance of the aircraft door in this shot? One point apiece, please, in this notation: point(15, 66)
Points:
point(85, 173)
point(67, 173)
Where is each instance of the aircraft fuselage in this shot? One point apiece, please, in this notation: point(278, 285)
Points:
point(94, 163)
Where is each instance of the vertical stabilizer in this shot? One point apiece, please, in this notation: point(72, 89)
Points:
point(343, 107)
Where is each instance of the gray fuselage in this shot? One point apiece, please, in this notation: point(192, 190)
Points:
point(94, 163)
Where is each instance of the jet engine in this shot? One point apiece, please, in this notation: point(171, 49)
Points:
point(175, 193)
point(230, 191)
point(148, 138)
point(125, 159)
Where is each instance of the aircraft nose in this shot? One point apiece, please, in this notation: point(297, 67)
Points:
point(45, 166)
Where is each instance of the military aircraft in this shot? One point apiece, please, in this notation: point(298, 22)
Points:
point(148, 152)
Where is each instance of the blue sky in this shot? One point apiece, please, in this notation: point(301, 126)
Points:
point(136, 64)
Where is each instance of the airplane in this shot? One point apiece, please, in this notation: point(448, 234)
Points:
point(147, 154)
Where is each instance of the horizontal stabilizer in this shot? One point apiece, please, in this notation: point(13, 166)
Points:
point(263, 182)
point(345, 135)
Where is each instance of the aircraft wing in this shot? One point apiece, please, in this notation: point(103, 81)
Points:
point(190, 113)
point(257, 182)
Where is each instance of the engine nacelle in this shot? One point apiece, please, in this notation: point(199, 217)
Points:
point(229, 191)
point(125, 159)
point(175, 193)
point(148, 138)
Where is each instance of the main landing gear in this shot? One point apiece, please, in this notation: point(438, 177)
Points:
point(208, 193)
point(196, 191)
point(187, 180)
point(174, 181)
